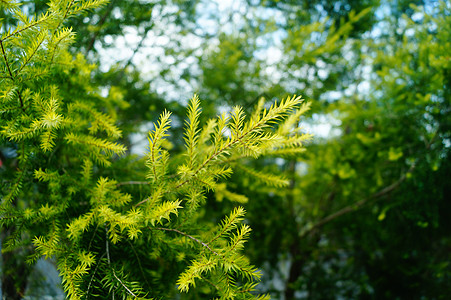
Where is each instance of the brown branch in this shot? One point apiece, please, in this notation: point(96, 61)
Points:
point(67, 11)
point(11, 74)
point(355, 206)
point(101, 22)
point(141, 42)
point(141, 202)
point(21, 101)
point(6, 61)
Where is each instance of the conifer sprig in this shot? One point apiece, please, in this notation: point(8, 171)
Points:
point(249, 138)
point(192, 129)
point(157, 157)
point(95, 143)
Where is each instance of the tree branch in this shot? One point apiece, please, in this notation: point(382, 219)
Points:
point(100, 24)
point(6, 60)
point(355, 206)
point(141, 42)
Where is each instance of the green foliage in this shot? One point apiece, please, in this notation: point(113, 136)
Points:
point(55, 196)
point(362, 214)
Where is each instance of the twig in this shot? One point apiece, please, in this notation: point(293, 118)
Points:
point(67, 11)
point(25, 28)
point(210, 283)
point(92, 277)
point(188, 236)
point(6, 61)
point(125, 287)
point(107, 246)
point(138, 47)
point(384, 191)
point(100, 24)
point(112, 269)
point(93, 236)
point(271, 114)
point(132, 182)
point(143, 201)
point(139, 263)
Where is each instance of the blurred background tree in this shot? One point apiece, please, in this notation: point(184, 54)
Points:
point(366, 214)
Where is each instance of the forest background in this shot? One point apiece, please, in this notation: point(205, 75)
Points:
point(365, 213)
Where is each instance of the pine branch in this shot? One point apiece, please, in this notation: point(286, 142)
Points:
point(132, 182)
point(229, 222)
point(192, 129)
point(31, 25)
point(65, 33)
point(100, 121)
point(249, 131)
point(156, 155)
point(238, 239)
point(36, 43)
point(67, 11)
point(96, 143)
point(267, 178)
point(188, 277)
point(188, 236)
